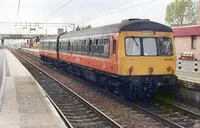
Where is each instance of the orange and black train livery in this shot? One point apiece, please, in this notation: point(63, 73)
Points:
point(132, 58)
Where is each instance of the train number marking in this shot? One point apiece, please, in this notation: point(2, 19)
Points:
point(168, 59)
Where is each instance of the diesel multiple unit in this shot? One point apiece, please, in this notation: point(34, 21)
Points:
point(132, 58)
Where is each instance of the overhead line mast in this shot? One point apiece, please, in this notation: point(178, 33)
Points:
point(18, 11)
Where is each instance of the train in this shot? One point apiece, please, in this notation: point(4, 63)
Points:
point(132, 58)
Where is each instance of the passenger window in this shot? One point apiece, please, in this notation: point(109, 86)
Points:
point(76, 46)
point(50, 46)
point(69, 46)
point(54, 46)
point(99, 46)
point(96, 46)
point(64, 46)
point(60, 45)
point(72, 47)
point(79, 46)
point(85, 46)
point(44, 45)
point(90, 45)
point(105, 48)
point(47, 46)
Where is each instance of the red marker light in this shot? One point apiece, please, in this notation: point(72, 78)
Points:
point(131, 70)
point(169, 68)
point(150, 69)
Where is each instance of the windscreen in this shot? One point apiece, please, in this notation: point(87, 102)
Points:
point(138, 46)
point(133, 46)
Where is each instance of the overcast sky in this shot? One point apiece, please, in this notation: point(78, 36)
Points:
point(82, 12)
point(94, 12)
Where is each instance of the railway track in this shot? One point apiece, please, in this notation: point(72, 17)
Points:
point(170, 115)
point(76, 112)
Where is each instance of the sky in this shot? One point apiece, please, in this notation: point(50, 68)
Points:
point(82, 12)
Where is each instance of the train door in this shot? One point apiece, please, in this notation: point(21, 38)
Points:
point(113, 48)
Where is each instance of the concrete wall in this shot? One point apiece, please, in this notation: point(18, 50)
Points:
point(184, 44)
point(199, 13)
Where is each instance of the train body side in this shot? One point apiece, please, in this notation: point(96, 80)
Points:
point(104, 64)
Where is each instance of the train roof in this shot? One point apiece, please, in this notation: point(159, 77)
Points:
point(125, 25)
point(49, 37)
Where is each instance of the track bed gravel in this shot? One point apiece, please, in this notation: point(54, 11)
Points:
point(120, 112)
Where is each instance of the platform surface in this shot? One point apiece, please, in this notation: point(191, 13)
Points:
point(187, 71)
point(31, 49)
point(1, 65)
point(189, 76)
point(24, 104)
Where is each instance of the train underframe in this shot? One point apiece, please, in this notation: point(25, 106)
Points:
point(128, 87)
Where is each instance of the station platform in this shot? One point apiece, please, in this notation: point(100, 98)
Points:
point(34, 52)
point(31, 49)
point(23, 102)
point(188, 74)
point(192, 76)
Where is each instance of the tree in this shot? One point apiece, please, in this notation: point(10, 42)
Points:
point(87, 27)
point(78, 28)
point(182, 12)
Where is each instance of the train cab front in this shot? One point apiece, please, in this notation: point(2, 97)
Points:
point(149, 60)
